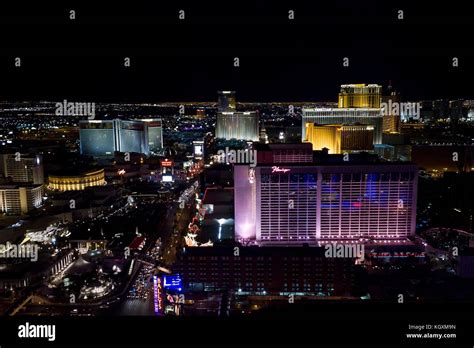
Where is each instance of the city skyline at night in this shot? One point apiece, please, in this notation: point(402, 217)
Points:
point(190, 173)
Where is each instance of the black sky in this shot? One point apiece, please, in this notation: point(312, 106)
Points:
point(280, 60)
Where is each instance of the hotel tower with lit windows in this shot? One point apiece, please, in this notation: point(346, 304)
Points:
point(278, 203)
point(232, 124)
point(358, 104)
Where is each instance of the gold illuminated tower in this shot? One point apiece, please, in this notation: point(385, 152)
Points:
point(328, 136)
point(360, 96)
point(391, 121)
point(340, 138)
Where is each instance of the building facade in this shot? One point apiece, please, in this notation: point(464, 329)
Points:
point(22, 168)
point(324, 136)
point(360, 96)
point(340, 138)
point(357, 138)
point(16, 200)
point(133, 137)
point(101, 138)
point(154, 129)
point(266, 271)
point(79, 181)
point(98, 137)
point(391, 120)
point(237, 125)
point(356, 116)
point(357, 104)
point(306, 203)
point(284, 153)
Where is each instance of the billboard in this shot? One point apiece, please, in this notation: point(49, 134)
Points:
point(167, 178)
point(173, 282)
point(166, 163)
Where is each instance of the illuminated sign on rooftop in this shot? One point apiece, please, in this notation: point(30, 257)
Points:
point(276, 169)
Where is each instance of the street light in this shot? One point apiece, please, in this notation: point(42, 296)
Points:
point(221, 221)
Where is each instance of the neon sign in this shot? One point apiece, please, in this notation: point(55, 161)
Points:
point(158, 293)
point(251, 175)
point(172, 282)
point(166, 163)
point(276, 169)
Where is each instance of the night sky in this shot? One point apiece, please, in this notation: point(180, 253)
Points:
point(280, 59)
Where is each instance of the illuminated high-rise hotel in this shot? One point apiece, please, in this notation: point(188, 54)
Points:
point(22, 168)
point(237, 125)
point(340, 138)
point(360, 96)
point(307, 203)
point(328, 116)
point(357, 138)
point(19, 199)
point(324, 136)
point(391, 121)
point(98, 137)
point(232, 124)
point(357, 104)
point(132, 136)
point(154, 129)
point(101, 138)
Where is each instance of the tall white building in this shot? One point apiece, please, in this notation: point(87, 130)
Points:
point(18, 200)
point(237, 125)
point(22, 168)
point(308, 203)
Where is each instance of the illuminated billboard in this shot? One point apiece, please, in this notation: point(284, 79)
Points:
point(198, 149)
point(172, 282)
point(166, 163)
point(167, 178)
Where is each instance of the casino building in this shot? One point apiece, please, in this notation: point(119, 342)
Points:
point(329, 116)
point(360, 95)
point(266, 271)
point(101, 138)
point(340, 138)
point(70, 181)
point(20, 199)
point(357, 104)
point(154, 129)
point(292, 203)
point(237, 125)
